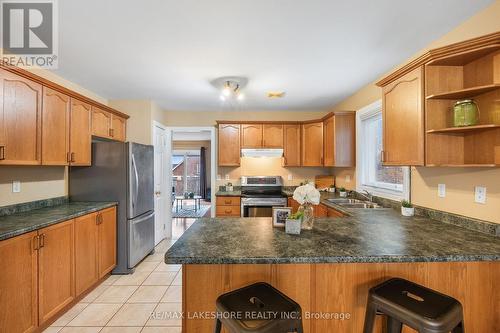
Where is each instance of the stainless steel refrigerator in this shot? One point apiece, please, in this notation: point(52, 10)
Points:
point(121, 172)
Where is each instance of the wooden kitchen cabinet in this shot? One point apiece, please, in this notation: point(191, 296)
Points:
point(118, 128)
point(251, 136)
point(56, 279)
point(403, 120)
point(80, 133)
point(312, 144)
point(107, 241)
point(272, 135)
point(19, 284)
point(86, 243)
point(20, 120)
point(291, 145)
point(340, 140)
point(229, 144)
point(56, 113)
point(228, 206)
point(101, 123)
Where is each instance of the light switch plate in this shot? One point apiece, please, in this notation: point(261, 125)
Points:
point(16, 186)
point(441, 190)
point(480, 194)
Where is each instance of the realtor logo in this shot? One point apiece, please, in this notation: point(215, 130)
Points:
point(29, 33)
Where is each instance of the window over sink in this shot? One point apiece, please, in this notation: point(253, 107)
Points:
point(372, 176)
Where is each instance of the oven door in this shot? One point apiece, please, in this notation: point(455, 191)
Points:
point(260, 207)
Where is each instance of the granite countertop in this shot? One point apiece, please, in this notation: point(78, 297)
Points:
point(20, 223)
point(363, 235)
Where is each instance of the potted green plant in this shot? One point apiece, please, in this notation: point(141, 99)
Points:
point(343, 192)
point(407, 208)
point(293, 223)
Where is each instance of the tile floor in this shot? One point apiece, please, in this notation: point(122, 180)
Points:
point(134, 303)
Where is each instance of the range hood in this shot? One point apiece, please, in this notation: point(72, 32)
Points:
point(262, 152)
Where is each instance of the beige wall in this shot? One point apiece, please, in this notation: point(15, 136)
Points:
point(459, 182)
point(39, 182)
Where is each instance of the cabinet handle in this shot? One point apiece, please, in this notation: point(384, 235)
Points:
point(72, 158)
point(2, 153)
point(36, 243)
point(42, 240)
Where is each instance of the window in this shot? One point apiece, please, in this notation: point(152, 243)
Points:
point(389, 182)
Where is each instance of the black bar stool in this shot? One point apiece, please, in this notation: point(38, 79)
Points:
point(258, 308)
point(418, 307)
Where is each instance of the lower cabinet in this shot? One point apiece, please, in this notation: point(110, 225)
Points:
point(19, 284)
point(56, 281)
point(44, 271)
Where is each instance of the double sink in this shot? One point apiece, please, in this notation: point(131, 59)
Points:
point(353, 203)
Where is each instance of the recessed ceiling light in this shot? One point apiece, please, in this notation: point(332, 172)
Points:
point(275, 94)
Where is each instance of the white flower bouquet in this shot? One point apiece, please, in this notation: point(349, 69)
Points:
point(306, 194)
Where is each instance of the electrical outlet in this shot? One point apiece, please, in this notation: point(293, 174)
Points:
point(290, 176)
point(227, 177)
point(441, 190)
point(16, 186)
point(348, 178)
point(480, 194)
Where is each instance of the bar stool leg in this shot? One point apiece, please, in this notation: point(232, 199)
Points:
point(459, 328)
point(371, 312)
point(218, 326)
point(394, 325)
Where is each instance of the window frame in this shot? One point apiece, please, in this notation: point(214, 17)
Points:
point(367, 112)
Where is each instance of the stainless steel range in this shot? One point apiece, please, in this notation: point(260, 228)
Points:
point(259, 194)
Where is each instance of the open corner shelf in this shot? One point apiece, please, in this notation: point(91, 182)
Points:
point(463, 129)
point(465, 93)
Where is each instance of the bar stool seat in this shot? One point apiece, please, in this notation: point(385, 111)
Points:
point(258, 308)
point(416, 306)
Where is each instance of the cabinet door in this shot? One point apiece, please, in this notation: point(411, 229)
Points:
point(294, 204)
point(229, 145)
point(403, 120)
point(19, 285)
point(86, 240)
point(118, 126)
point(80, 133)
point(251, 135)
point(55, 127)
point(20, 120)
point(107, 241)
point(56, 280)
point(329, 141)
point(344, 147)
point(101, 123)
point(272, 135)
point(320, 211)
point(312, 144)
point(291, 147)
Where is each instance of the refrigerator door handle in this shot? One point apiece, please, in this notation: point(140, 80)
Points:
point(136, 186)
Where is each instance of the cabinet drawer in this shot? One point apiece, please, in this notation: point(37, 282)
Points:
point(228, 201)
point(228, 211)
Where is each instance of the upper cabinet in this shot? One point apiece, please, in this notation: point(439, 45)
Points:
point(272, 135)
point(403, 120)
point(101, 123)
point(229, 144)
point(340, 140)
point(442, 108)
point(291, 146)
point(251, 136)
point(80, 133)
point(20, 120)
point(312, 144)
point(55, 128)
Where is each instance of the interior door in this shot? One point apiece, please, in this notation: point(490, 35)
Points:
point(162, 193)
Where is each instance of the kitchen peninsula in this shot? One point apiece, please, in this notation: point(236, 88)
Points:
point(329, 269)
